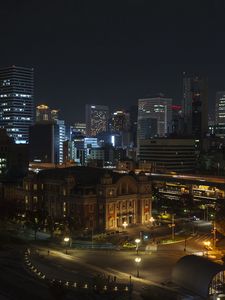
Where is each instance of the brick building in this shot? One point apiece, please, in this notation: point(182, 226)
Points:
point(95, 198)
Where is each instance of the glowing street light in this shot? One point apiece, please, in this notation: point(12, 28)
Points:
point(66, 240)
point(207, 245)
point(125, 225)
point(137, 241)
point(151, 220)
point(137, 260)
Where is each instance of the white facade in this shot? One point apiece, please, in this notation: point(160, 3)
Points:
point(62, 138)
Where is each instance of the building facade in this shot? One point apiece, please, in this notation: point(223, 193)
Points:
point(169, 154)
point(96, 117)
point(195, 105)
point(16, 102)
point(91, 197)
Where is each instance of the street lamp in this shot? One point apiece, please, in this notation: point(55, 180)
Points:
point(151, 220)
point(207, 246)
point(125, 225)
point(137, 260)
point(66, 240)
point(137, 241)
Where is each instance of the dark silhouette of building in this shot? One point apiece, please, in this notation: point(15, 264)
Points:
point(195, 106)
point(13, 157)
point(44, 142)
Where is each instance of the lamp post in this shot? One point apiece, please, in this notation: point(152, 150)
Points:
point(207, 245)
point(185, 243)
point(125, 225)
point(214, 235)
point(172, 226)
point(151, 220)
point(137, 241)
point(66, 240)
point(137, 260)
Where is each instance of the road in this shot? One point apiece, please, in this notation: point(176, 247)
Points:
point(155, 267)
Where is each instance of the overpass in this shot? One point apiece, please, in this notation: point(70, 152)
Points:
point(201, 187)
point(215, 181)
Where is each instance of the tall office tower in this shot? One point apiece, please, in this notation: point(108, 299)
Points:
point(16, 102)
point(44, 113)
point(154, 117)
point(119, 121)
point(195, 105)
point(62, 138)
point(96, 117)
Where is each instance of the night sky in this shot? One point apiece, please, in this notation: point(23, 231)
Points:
point(113, 52)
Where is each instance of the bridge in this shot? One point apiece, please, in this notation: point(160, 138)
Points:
point(201, 187)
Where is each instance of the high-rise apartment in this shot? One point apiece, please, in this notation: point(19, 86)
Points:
point(154, 117)
point(16, 102)
point(195, 105)
point(96, 119)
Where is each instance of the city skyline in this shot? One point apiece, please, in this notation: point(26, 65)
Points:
point(108, 54)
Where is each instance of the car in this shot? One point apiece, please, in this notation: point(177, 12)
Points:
point(194, 218)
point(129, 245)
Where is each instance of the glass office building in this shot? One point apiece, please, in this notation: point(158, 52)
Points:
point(16, 102)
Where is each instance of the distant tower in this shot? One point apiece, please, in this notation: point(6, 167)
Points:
point(44, 113)
point(96, 119)
point(195, 105)
point(16, 102)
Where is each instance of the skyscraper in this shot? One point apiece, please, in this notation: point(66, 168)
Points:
point(195, 105)
point(16, 102)
point(119, 121)
point(154, 117)
point(96, 117)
